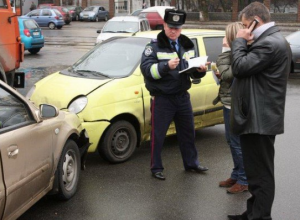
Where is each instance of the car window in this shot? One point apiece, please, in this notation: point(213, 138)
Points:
point(13, 111)
point(2, 3)
point(125, 52)
point(142, 26)
point(121, 27)
point(46, 12)
point(102, 9)
point(30, 24)
point(213, 47)
point(195, 46)
point(34, 13)
point(57, 12)
point(65, 10)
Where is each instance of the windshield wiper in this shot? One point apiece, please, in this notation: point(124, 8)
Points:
point(94, 73)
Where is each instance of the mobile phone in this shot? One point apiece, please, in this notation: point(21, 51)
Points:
point(256, 22)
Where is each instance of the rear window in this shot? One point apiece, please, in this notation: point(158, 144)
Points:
point(57, 12)
point(30, 24)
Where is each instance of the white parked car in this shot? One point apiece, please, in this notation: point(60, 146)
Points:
point(122, 25)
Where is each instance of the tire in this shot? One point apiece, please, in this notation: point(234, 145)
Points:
point(68, 171)
point(105, 18)
point(96, 19)
point(119, 142)
point(51, 25)
point(34, 50)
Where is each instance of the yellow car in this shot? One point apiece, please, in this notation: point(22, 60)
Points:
point(106, 89)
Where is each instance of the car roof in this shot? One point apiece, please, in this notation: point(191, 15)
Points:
point(187, 32)
point(126, 18)
point(159, 9)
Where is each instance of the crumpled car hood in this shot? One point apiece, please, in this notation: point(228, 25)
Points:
point(59, 90)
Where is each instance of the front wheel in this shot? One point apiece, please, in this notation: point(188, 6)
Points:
point(97, 19)
point(51, 25)
point(119, 142)
point(68, 171)
point(105, 18)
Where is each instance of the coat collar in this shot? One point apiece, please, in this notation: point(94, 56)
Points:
point(269, 31)
point(163, 41)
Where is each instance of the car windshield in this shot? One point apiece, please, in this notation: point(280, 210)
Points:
point(71, 7)
point(121, 27)
point(89, 9)
point(115, 58)
point(294, 38)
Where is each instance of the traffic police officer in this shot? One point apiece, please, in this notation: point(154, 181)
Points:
point(162, 60)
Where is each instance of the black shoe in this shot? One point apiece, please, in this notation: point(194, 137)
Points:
point(159, 175)
point(198, 169)
point(237, 217)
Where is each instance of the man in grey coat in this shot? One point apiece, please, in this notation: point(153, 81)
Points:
point(258, 100)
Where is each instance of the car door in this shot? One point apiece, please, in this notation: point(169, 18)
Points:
point(101, 13)
point(26, 153)
point(46, 17)
point(203, 94)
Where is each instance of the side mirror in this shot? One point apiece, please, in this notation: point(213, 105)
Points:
point(48, 111)
point(99, 31)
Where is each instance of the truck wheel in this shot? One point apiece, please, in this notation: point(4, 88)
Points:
point(119, 142)
point(51, 25)
point(34, 50)
point(68, 171)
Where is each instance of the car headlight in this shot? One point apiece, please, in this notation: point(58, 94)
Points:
point(78, 104)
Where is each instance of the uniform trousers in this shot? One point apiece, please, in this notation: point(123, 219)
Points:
point(258, 154)
point(165, 109)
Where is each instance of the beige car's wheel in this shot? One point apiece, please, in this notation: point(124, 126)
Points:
point(68, 171)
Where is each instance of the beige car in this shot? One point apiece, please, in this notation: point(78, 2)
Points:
point(42, 151)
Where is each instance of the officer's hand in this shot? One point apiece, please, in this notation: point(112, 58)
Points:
point(203, 68)
point(173, 63)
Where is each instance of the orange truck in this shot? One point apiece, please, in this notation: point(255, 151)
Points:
point(11, 48)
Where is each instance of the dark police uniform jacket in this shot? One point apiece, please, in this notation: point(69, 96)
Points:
point(159, 78)
point(259, 89)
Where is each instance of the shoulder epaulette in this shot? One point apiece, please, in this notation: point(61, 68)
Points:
point(154, 40)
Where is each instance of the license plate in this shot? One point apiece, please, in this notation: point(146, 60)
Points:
point(36, 33)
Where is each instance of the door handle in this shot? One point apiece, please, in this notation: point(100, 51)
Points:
point(12, 151)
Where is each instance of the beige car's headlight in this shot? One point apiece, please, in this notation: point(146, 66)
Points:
point(78, 104)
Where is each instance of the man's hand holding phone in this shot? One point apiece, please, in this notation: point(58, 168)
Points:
point(247, 32)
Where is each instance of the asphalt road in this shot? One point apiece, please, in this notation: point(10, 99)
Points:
point(127, 191)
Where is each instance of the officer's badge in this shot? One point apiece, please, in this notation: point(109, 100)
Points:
point(176, 18)
point(148, 50)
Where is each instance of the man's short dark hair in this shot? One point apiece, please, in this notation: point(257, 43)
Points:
point(256, 9)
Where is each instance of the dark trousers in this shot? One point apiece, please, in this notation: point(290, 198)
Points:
point(258, 154)
point(163, 111)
